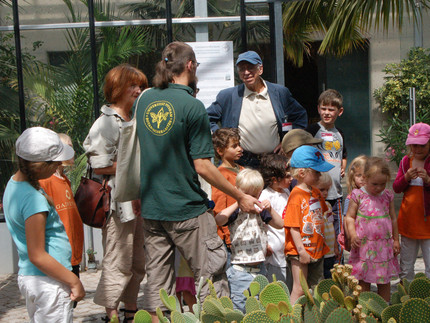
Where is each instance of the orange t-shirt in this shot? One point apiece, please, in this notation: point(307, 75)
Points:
point(60, 191)
point(305, 210)
point(223, 200)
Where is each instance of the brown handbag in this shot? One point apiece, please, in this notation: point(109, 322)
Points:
point(93, 201)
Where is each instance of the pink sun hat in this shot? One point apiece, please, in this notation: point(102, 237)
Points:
point(419, 134)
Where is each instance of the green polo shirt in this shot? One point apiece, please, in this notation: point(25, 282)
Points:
point(173, 130)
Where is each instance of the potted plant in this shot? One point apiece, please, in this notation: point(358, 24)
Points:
point(92, 265)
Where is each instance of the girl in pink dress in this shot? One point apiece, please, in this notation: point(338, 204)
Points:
point(372, 227)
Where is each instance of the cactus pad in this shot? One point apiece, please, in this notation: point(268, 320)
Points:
point(208, 318)
point(273, 293)
point(395, 298)
point(252, 305)
point(177, 317)
point(297, 310)
point(419, 288)
point(375, 308)
point(350, 303)
point(213, 306)
point(402, 290)
point(420, 275)
point(406, 284)
point(262, 280)
point(337, 294)
point(289, 318)
point(328, 307)
point(312, 314)
point(168, 301)
point(284, 286)
point(226, 302)
point(415, 310)
point(365, 296)
point(339, 315)
point(234, 315)
point(305, 288)
point(257, 316)
point(142, 316)
point(254, 288)
point(273, 312)
point(285, 307)
point(323, 287)
point(392, 311)
point(302, 300)
point(161, 316)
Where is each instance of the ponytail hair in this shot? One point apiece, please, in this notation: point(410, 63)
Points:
point(173, 62)
point(30, 169)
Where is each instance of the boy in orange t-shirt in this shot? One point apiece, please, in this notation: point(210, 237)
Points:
point(305, 245)
point(227, 147)
point(58, 188)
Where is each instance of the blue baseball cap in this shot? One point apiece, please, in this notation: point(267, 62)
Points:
point(251, 57)
point(309, 157)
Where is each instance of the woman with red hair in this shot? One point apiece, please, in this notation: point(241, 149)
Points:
point(123, 266)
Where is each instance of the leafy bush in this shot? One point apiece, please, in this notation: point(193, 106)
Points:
point(393, 98)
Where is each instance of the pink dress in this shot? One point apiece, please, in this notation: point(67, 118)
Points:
point(374, 261)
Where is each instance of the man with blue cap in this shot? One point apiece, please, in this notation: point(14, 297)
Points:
point(262, 111)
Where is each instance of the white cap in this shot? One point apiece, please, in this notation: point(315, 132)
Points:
point(39, 144)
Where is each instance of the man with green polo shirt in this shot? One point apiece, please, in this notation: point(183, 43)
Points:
point(176, 146)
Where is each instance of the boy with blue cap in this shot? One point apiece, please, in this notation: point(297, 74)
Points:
point(305, 245)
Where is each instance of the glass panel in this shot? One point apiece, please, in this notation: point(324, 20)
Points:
point(350, 76)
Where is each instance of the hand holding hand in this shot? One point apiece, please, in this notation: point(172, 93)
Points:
point(396, 248)
point(266, 205)
point(355, 242)
point(247, 204)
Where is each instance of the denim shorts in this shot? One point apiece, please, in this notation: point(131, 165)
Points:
point(239, 278)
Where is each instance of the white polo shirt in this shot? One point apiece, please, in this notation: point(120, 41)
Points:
point(257, 122)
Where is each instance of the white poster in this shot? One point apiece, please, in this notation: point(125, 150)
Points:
point(216, 69)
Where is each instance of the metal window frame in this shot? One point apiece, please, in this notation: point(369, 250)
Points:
point(169, 21)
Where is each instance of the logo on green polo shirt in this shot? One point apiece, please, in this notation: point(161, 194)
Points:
point(159, 117)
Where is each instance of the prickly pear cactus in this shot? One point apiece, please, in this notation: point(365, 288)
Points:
point(339, 315)
point(392, 311)
point(415, 310)
point(305, 288)
point(273, 293)
point(257, 316)
point(327, 308)
point(273, 312)
point(312, 314)
point(142, 316)
point(419, 288)
point(169, 301)
point(395, 298)
point(262, 280)
point(213, 306)
point(337, 294)
point(375, 308)
point(226, 302)
point(323, 287)
point(252, 305)
point(364, 298)
point(289, 318)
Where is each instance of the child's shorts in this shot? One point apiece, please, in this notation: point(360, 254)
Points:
point(47, 299)
point(315, 269)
